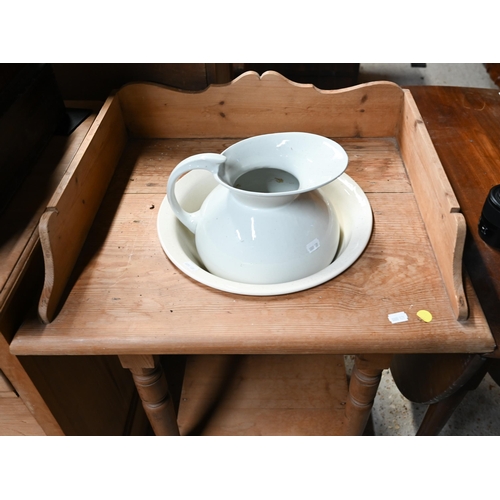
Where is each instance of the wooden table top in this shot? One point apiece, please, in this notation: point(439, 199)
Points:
point(127, 298)
point(464, 124)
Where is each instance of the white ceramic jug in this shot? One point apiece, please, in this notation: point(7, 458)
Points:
point(266, 222)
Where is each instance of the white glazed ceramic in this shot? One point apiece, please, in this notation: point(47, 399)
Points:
point(351, 206)
point(266, 222)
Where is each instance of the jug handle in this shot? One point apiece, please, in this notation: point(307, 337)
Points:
point(203, 161)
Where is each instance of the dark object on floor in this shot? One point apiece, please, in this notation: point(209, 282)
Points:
point(489, 222)
point(493, 70)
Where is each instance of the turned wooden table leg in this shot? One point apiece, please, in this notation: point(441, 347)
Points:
point(153, 390)
point(365, 379)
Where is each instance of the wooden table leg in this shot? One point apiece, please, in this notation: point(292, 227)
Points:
point(153, 390)
point(365, 379)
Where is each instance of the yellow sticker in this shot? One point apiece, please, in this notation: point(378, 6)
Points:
point(424, 315)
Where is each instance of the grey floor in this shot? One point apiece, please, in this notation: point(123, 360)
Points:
point(460, 75)
point(479, 412)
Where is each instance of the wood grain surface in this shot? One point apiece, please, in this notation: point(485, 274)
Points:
point(71, 210)
point(252, 105)
point(437, 203)
point(19, 222)
point(463, 126)
point(303, 395)
point(127, 298)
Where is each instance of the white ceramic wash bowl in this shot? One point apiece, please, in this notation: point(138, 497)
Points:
point(351, 205)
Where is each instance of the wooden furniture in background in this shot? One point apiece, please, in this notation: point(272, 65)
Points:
point(30, 110)
point(125, 297)
point(51, 395)
point(98, 80)
point(463, 125)
point(324, 76)
point(15, 418)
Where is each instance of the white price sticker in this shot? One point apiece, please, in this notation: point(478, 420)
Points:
point(398, 317)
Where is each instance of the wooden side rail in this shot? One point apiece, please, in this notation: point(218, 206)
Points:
point(437, 202)
point(69, 215)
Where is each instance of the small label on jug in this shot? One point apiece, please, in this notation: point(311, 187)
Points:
point(314, 245)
